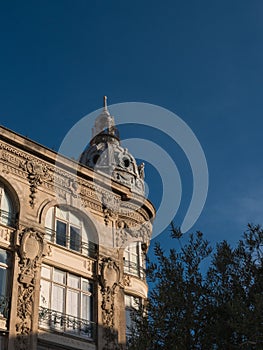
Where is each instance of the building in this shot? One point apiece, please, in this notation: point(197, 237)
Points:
point(73, 237)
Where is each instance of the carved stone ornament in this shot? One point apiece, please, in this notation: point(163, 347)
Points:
point(110, 274)
point(31, 250)
point(126, 282)
point(109, 281)
point(110, 206)
point(125, 234)
point(121, 233)
point(36, 174)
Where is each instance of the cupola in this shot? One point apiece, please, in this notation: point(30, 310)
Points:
point(104, 154)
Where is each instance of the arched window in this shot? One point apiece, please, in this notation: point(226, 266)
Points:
point(134, 260)
point(68, 228)
point(7, 213)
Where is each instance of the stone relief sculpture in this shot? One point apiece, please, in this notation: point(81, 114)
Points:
point(110, 283)
point(31, 249)
point(110, 205)
point(36, 173)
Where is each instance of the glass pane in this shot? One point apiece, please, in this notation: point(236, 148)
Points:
point(61, 233)
point(3, 281)
point(72, 303)
point(6, 208)
point(86, 309)
point(134, 258)
point(75, 238)
point(128, 319)
point(59, 276)
point(45, 272)
point(3, 256)
point(87, 286)
point(61, 214)
point(57, 302)
point(73, 281)
point(73, 219)
point(49, 218)
point(44, 293)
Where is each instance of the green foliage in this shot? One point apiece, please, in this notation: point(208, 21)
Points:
point(221, 308)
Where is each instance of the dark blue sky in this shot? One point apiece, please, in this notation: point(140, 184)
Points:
point(200, 59)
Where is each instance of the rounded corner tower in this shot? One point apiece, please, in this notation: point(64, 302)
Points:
point(106, 155)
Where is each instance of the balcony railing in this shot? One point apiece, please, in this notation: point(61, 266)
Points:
point(89, 249)
point(135, 269)
point(4, 306)
point(58, 322)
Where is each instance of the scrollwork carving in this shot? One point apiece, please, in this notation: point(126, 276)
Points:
point(110, 282)
point(126, 282)
point(36, 173)
point(31, 249)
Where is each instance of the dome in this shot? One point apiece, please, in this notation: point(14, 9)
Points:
point(105, 154)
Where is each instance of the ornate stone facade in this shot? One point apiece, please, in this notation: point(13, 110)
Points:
point(31, 248)
point(108, 217)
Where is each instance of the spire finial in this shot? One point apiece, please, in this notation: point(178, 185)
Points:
point(105, 107)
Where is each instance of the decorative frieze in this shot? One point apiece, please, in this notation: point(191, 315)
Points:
point(11, 150)
point(63, 183)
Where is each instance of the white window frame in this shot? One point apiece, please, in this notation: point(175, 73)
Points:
point(7, 213)
point(73, 220)
point(68, 225)
point(134, 259)
point(67, 288)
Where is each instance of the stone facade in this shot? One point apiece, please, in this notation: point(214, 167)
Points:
point(41, 188)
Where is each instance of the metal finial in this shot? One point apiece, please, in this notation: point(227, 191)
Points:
point(105, 103)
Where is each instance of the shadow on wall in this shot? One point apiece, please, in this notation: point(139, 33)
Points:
point(104, 339)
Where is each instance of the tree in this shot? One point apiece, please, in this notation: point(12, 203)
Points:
point(221, 308)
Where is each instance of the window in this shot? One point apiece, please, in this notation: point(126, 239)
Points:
point(69, 229)
point(7, 215)
point(131, 305)
point(4, 299)
point(134, 260)
point(66, 302)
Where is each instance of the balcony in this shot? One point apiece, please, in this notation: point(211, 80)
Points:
point(133, 268)
point(55, 321)
point(88, 249)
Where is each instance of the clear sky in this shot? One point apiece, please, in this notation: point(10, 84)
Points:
point(203, 60)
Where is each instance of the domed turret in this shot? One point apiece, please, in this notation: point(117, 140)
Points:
point(105, 154)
